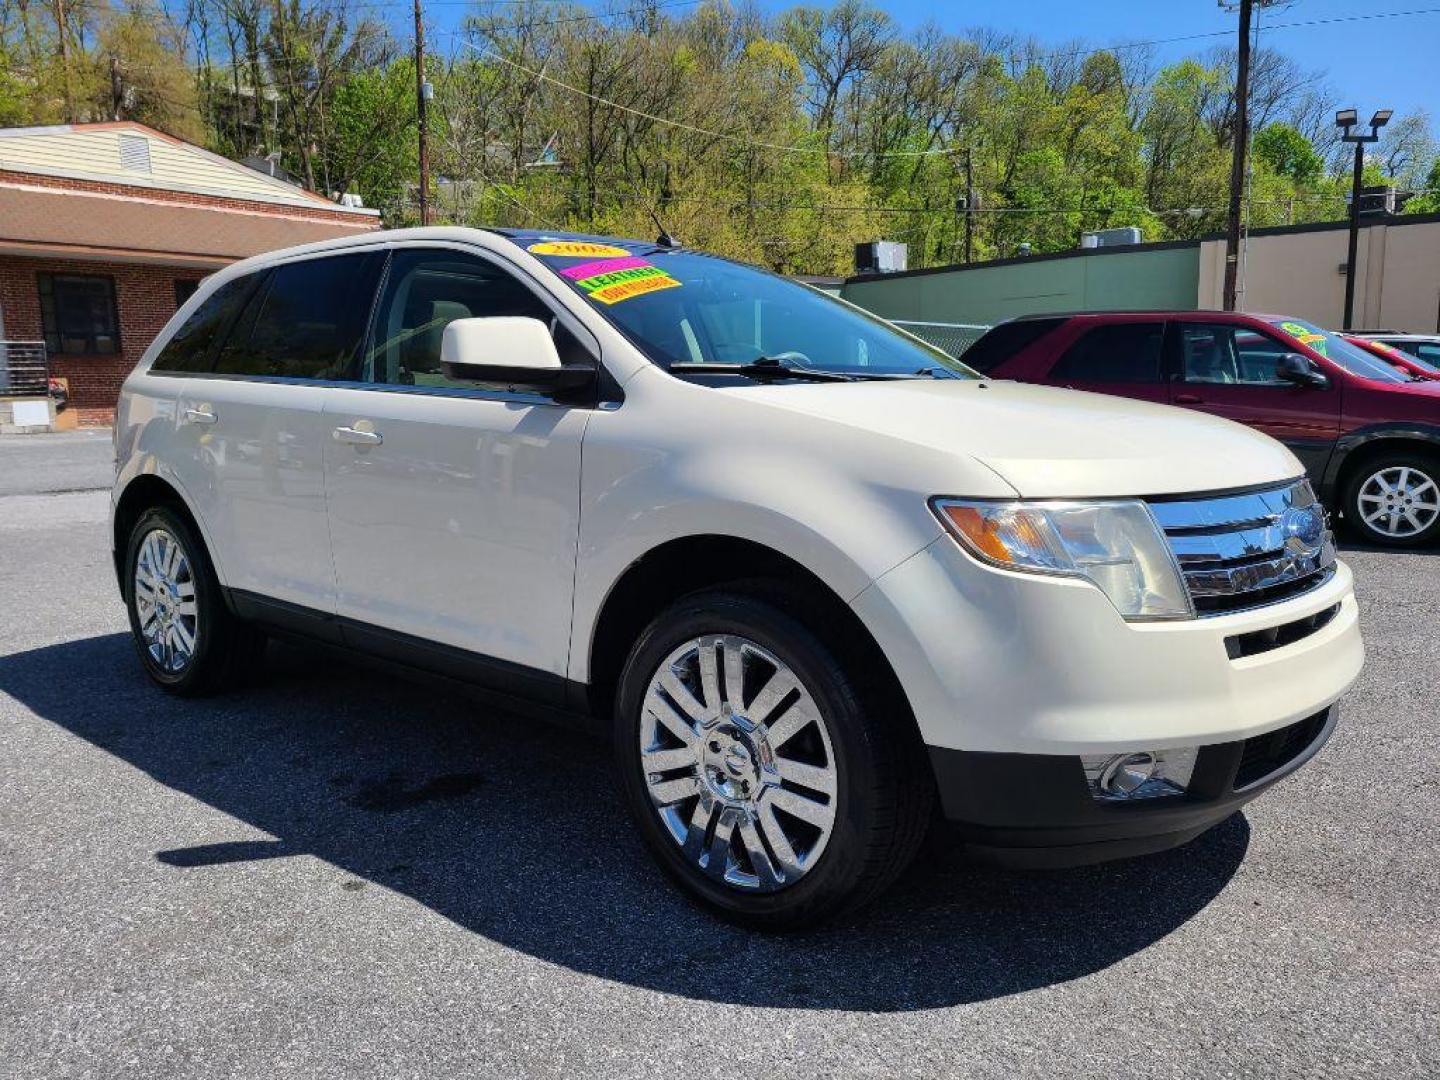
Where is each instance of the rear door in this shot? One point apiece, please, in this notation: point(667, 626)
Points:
point(252, 433)
point(1228, 369)
point(1122, 358)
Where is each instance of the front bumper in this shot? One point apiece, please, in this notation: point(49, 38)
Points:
point(997, 661)
point(1036, 810)
point(1011, 677)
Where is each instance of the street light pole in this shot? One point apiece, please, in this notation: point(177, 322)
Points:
point(1346, 119)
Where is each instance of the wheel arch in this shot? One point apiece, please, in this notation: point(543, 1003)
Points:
point(690, 564)
point(140, 494)
point(1365, 445)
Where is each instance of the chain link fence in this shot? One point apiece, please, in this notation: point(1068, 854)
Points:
point(953, 338)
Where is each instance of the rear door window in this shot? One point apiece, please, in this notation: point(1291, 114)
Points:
point(307, 322)
point(1115, 353)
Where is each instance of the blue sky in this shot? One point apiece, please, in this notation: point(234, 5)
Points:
point(1373, 63)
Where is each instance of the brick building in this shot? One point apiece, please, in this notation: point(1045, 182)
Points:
point(105, 229)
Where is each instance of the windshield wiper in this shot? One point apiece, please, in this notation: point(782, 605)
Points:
point(762, 369)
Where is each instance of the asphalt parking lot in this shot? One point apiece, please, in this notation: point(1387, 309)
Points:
point(340, 874)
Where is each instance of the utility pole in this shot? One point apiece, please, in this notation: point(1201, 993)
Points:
point(62, 31)
point(422, 110)
point(1346, 119)
point(1237, 160)
point(969, 209)
point(117, 92)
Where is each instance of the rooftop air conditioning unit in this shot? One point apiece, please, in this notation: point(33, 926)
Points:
point(881, 257)
point(1111, 237)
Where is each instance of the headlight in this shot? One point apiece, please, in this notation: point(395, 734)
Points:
point(1116, 545)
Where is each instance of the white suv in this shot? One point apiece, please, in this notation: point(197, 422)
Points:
point(822, 582)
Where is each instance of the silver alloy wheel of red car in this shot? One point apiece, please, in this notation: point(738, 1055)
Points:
point(1399, 501)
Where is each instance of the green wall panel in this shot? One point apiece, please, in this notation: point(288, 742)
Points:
point(1164, 278)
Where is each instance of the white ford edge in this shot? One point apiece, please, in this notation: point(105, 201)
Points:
point(822, 583)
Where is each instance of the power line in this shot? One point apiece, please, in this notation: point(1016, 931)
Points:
point(1295, 24)
point(782, 148)
point(671, 4)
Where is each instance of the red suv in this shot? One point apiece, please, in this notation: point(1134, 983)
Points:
point(1368, 435)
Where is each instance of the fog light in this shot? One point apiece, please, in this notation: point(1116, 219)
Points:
point(1123, 776)
point(1139, 774)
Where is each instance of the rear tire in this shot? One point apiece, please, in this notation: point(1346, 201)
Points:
point(1394, 499)
point(188, 640)
point(774, 809)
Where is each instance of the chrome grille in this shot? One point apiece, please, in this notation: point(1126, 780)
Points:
point(1247, 549)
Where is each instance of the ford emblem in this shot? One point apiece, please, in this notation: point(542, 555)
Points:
point(1303, 526)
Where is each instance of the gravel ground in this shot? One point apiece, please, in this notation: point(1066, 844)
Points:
point(341, 874)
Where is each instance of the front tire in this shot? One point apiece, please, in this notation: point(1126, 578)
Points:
point(188, 641)
point(1394, 500)
point(767, 782)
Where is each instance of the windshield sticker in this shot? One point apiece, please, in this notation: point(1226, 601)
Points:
point(613, 280)
point(575, 249)
point(1305, 336)
point(603, 266)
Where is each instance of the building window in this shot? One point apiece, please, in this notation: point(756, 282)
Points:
point(183, 291)
point(78, 313)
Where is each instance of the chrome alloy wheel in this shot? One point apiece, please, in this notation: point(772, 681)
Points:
point(738, 763)
point(1399, 501)
point(165, 601)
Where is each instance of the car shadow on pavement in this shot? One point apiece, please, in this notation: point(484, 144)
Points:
point(511, 829)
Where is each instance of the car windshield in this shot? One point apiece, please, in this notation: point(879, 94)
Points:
point(685, 309)
point(1406, 356)
point(1337, 350)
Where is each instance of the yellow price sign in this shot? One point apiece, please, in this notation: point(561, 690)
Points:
point(577, 249)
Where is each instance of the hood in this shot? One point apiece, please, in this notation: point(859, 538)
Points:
point(1047, 442)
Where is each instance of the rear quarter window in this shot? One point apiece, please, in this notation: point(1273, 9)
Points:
point(191, 348)
point(1002, 342)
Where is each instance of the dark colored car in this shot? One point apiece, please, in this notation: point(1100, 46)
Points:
point(1368, 434)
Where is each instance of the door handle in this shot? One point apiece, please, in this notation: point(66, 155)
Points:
point(357, 437)
point(1189, 399)
point(199, 416)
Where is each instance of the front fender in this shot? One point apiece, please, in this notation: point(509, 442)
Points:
point(678, 461)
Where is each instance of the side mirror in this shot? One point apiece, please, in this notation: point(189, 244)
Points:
point(1294, 368)
point(511, 351)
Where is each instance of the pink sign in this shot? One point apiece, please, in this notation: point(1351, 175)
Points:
point(603, 266)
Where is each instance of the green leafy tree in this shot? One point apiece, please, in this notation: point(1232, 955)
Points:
point(1428, 201)
point(1287, 153)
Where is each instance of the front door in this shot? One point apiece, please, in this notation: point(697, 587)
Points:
point(1228, 369)
point(454, 512)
